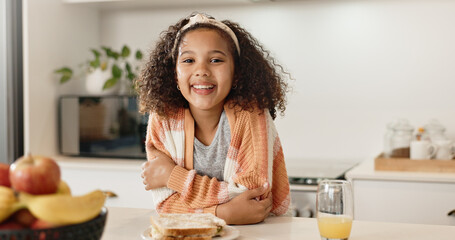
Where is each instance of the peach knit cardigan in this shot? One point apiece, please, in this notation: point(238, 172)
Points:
point(254, 157)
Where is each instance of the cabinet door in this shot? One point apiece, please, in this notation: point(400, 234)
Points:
point(407, 202)
point(126, 184)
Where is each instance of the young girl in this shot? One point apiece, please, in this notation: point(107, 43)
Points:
point(212, 92)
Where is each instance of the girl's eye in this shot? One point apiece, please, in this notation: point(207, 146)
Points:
point(188, 61)
point(216, 60)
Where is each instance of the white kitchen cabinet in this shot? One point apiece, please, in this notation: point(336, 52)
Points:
point(123, 177)
point(407, 197)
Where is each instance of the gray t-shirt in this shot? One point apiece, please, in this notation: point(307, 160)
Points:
point(210, 160)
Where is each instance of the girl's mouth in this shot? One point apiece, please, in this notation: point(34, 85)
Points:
point(203, 86)
point(203, 89)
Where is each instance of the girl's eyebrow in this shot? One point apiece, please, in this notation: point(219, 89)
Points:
point(213, 51)
point(218, 51)
point(186, 52)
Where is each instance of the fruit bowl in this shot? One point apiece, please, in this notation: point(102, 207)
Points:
point(90, 230)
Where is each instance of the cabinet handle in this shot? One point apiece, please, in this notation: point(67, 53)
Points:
point(451, 213)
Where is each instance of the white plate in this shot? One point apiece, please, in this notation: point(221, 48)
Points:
point(228, 234)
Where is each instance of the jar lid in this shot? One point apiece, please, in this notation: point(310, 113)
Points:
point(434, 126)
point(403, 125)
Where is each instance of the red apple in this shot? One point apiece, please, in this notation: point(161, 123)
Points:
point(10, 225)
point(24, 217)
point(35, 175)
point(4, 175)
point(41, 224)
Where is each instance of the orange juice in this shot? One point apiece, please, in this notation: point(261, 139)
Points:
point(335, 227)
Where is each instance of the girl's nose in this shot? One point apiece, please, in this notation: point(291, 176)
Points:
point(202, 70)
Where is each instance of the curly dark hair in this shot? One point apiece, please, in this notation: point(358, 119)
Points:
point(258, 80)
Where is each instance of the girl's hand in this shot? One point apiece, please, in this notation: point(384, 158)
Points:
point(157, 170)
point(252, 206)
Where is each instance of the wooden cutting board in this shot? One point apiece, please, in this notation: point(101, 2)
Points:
point(408, 165)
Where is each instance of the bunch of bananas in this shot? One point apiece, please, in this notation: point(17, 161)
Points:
point(8, 203)
point(60, 208)
point(21, 209)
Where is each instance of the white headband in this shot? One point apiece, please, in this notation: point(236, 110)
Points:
point(201, 18)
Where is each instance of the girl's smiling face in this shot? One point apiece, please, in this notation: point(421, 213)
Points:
point(205, 69)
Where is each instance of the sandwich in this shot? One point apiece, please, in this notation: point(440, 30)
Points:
point(186, 226)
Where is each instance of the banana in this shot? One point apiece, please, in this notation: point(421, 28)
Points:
point(8, 203)
point(63, 209)
point(63, 188)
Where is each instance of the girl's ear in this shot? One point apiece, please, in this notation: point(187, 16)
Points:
point(176, 80)
point(234, 84)
point(177, 84)
point(236, 78)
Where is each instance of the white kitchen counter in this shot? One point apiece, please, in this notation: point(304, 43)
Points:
point(405, 197)
point(99, 163)
point(365, 170)
point(130, 223)
point(120, 176)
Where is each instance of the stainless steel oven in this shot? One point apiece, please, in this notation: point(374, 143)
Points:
point(304, 177)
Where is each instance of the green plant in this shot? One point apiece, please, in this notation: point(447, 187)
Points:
point(107, 60)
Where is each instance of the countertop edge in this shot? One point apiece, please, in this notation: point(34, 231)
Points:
point(99, 163)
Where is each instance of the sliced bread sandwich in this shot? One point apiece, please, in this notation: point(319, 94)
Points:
point(186, 226)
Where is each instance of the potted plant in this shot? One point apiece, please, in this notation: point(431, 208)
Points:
point(106, 70)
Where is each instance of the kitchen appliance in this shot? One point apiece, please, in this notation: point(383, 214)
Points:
point(304, 176)
point(101, 126)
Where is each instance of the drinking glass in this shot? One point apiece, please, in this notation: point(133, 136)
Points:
point(335, 210)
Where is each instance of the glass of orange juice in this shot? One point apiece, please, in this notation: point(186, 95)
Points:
point(335, 209)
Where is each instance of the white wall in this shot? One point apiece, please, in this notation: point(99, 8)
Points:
point(357, 65)
point(55, 35)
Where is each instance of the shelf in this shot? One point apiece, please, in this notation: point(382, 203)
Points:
point(126, 4)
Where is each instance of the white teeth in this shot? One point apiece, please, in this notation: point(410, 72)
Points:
point(203, 86)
